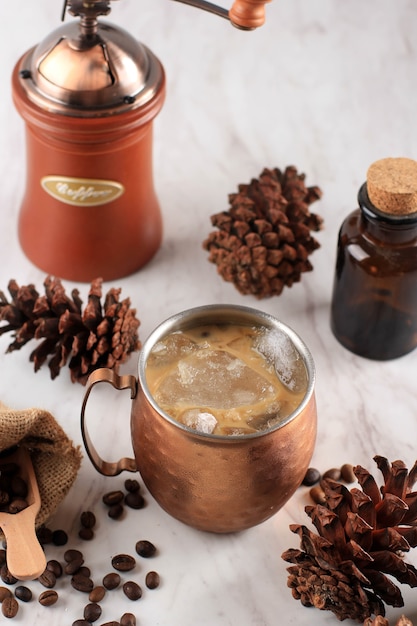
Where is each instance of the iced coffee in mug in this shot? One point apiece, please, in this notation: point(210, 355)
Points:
point(223, 418)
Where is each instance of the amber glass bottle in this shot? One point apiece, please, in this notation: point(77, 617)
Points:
point(374, 301)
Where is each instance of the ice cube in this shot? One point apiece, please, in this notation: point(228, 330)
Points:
point(169, 349)
point(279, 350)
point(213, 378)
point(201, 421)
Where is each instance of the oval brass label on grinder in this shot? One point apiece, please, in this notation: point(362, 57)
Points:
point(82, 191)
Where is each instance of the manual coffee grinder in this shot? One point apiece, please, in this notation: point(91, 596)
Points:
point(88, 94)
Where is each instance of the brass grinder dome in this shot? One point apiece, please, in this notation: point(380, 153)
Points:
point(90, 69)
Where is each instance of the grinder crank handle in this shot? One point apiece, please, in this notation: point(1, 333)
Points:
point(244, 14)
point(248, 14)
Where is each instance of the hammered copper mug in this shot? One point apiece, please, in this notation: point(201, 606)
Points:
point(217, 483)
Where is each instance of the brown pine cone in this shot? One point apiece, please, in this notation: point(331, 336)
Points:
point(101, 336)
point(264, 240)
point(349, 566)
point(381, 621)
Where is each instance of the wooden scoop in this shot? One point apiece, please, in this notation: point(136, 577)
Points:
point(25, 558)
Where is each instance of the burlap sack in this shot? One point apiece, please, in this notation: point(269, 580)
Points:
point(55, 459)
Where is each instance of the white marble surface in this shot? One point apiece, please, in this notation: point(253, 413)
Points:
point(328, 86)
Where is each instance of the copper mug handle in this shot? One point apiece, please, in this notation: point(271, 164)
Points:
point(105, 375)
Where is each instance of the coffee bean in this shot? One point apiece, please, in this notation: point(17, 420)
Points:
point(6, 576)
point(59, 538)
point(116, 511)
point(82, 583)
point(113, 497)
point(2, 557)
point(97, 594)
point(48, 598)
point(333, 473)
point(81, 622)
point(88, 519)
point(111, 580)
point(132, 590)
point(47, 579)
point(9, 469)
point(123, 562)
point(347, 473)
point(19, 487)
point(44, 535)
point(312, 476)
point(87, 534)
point(152, 580)
point(92, 612)
point(17, 505)
point(145, 548)
point(85, 571)
point(70, 555)
point(131, 485)
point(128, 619)
point(55, 567)
point(9, 607)
point(23, 593)
point(135, 500)
point(317, 495)
point(4, 593)
point(74, 566)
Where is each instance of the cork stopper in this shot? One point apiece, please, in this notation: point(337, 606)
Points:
point(392, 186)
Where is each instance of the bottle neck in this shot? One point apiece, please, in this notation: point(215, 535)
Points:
point(386, 227)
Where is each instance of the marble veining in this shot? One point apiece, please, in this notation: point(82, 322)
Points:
point(327, 86)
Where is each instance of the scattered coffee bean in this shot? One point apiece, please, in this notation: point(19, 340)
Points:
point(81, 622)
point(312, 476)
point(123, 562)
point(145, 548)
point(4, 593)
point(2, 557)
point(48, 598)
point(132, 590)
point(134, 500)
point(87, 534)
point(131, 485)
point(88, 519)
point(113, 497)
point(47, 579)
point(82, 583)
point(128, 619)
point(85, 571)
point(317, 495)
point(6, 576)
point(9, 607)
point(55, 567)
point(116, 511)
point(44, 535)
point(92, 612)
point(97, 594)
point(333, 473)
point(71, 555)
point(111, 580)
point(59, 538)
point(347, 473)
point(23, 593)
point(152, 580)
point(74, 566)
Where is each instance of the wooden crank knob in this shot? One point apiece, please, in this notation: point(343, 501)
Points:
point(248, 14)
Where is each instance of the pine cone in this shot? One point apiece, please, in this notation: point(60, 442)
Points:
point(381, 621)
point(264, 241)
point(362, 534)
point(101, 336)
